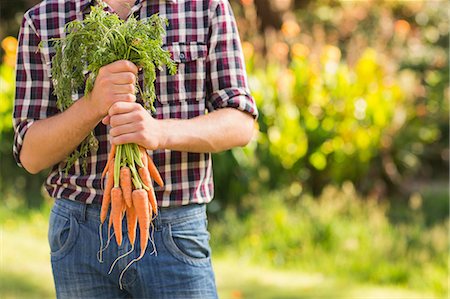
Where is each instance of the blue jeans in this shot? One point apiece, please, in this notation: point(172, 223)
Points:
point(181, 268)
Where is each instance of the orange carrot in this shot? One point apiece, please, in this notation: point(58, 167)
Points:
point(140, 202)
point(109, 225)
point(116, 212)
point(145, 177)
point(111, 155)
point(152, 200)
point(154, 173)
point(106, 201)
point(125, 184)
point(131, 224)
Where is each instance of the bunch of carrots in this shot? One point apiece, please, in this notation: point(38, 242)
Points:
point(129, 192)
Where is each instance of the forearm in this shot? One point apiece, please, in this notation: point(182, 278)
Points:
point(214, 132)
point(49, 141)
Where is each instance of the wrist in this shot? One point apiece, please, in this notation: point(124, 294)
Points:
point(89, 109)
point(164, 133)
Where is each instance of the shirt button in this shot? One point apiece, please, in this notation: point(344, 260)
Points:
point(182, 56)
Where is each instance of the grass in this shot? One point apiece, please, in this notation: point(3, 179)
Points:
point(239, 279)
point(25, 271)
point(342, 235)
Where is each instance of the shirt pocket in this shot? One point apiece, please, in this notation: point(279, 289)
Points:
point(188, 83)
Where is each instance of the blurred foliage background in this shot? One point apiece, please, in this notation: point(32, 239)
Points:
point(347, 173)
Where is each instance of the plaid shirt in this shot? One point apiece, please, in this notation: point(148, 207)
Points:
point(202, 38)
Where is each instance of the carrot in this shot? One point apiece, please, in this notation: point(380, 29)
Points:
point(152, 200)
point(110, 222)
point(125, 184)
point(141, 207)
point(145, 177)
point(140, 202)
point(131, 224)
point(106, 201)
point(154, 173)
point(110, 158)
point(116, 212)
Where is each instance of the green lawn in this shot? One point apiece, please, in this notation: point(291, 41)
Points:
point(241, 280)
point(25, 272)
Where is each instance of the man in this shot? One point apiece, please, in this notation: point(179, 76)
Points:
point(206, 107)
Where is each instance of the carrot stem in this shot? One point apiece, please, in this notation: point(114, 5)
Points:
point(137, 155)
point(135, 176)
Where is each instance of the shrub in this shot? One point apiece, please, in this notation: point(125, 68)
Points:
point(337, 233)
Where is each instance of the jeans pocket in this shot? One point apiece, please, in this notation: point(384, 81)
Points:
point(188, 241)
point(62, 234)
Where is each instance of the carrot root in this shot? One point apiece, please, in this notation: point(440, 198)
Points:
point(152, 240)
point(125, 269)
point(154, 173)
point(146, 179)
point(140, 202)
point(100, 252)
point(116, 212)
point(119, 257)
point(109, 162)
point(106, 200)
point(125, 184)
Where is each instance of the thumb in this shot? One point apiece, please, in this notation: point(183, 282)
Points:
point(106, 120)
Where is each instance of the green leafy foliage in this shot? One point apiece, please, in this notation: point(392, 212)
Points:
point(346, 91)
point(341, 115)
point(6, 94)
point(339, 233)
point(16, 185)
point(100, 39)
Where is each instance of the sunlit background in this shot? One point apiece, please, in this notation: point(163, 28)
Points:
point(343, 192)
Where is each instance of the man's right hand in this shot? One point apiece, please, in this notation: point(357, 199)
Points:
point(115, 82)
point(50, 140)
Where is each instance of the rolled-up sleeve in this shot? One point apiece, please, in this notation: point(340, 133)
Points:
point(226, 83)
point(33, 92)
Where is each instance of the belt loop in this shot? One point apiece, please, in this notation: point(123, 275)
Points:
point(83, 212)
point(157, 220)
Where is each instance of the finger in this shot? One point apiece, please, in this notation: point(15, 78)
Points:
point(125, 129)
point(124, 118)
point(106, 120)
point(122, 78)
point(123, 88)
point(136, 137)
point(121, 66)
point(121, 107)
point(124, 98)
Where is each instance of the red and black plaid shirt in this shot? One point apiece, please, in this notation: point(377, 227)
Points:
point(202, 38)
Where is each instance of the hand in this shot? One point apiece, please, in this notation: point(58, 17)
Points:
point(115, 83)
point(131, 123)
